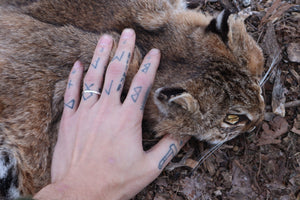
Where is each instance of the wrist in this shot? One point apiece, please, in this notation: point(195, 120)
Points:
point(73, 189)
point(56, 192)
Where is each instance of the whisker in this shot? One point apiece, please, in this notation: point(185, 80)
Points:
point(206, 155)
point(271, 68)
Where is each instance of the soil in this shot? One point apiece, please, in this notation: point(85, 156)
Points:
point(263, 164)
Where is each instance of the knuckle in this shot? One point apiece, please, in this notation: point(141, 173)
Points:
point(115, 69)
point(141, 80)
point(68, 95)
point(90, 77)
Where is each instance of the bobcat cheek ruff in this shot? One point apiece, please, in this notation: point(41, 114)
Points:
point(91, 91)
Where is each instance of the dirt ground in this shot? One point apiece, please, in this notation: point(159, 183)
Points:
point(263, 164)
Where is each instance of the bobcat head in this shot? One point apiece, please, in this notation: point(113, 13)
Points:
point(223, 97)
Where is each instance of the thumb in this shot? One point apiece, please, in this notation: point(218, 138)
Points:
point(163, 152)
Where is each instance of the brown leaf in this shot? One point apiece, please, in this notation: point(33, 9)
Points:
point(272, 49)
point(194, 187)
point(191, 163)
point(185, 161)
point(240, 184)
point(275, 11)
point(278, 126)
point(296, 128)
point(278, 96)
point(293, 51)
point(161, 181)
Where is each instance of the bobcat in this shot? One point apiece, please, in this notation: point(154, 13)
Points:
point(207, 85)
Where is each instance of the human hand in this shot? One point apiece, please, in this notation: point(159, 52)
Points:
point(99, 153)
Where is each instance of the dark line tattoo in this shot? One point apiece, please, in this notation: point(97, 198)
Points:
point(137, 92)
point(121, 82)
point(96, 63)
point(128, 60)
point(145, 98)
point(171, 153)
point(118, 58)
point(125, 41)
point(181, 143)
point(70, 104)
point(146, 68)
point(87, 87)
point(109, 90)
point(101, 50)
point(70, 84)
point(74, 71)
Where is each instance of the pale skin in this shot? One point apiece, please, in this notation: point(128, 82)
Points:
point(99, 153)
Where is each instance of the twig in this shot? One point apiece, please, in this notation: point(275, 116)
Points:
point(240, 166)
point(259, 166)
point(292, 104)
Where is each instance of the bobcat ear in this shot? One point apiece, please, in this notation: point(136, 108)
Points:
point(186, 101)
point(220, 26)
point(243, 46)
point(178, 96)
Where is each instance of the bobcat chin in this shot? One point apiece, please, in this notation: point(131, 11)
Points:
point(207, 84)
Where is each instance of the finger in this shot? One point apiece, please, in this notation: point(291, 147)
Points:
point(142, 82)
point(117, 69)
point(163, 152)
point(72, 94)
point(94, 77)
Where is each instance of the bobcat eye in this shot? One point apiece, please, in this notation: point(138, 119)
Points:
point(232, 119)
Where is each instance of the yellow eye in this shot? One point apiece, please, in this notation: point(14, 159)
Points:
point(232, 119)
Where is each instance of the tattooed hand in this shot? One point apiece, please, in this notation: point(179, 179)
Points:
point(99, 153)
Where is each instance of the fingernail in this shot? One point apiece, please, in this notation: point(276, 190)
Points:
point(154, 52)
point(77, 64)
point(127, 33)
point(105, 40)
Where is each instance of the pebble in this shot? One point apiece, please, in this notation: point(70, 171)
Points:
point(246, 3)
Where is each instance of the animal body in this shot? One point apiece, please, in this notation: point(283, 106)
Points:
point(206, 85)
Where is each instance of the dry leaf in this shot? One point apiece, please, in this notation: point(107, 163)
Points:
point(278, 96)
point(161, 181)
point(241, 184)
point(278, 126)
point(159, 198)
point(293, 51)
point(191, 163)
point(185, 161)
point(296, 128)
point(271, 48)
point(194, 188)
point(210, 166)
point(275, 11)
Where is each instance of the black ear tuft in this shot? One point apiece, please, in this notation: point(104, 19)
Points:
point(167, 93)
point(219, 25)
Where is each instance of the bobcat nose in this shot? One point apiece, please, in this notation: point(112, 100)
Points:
point(8, 176)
